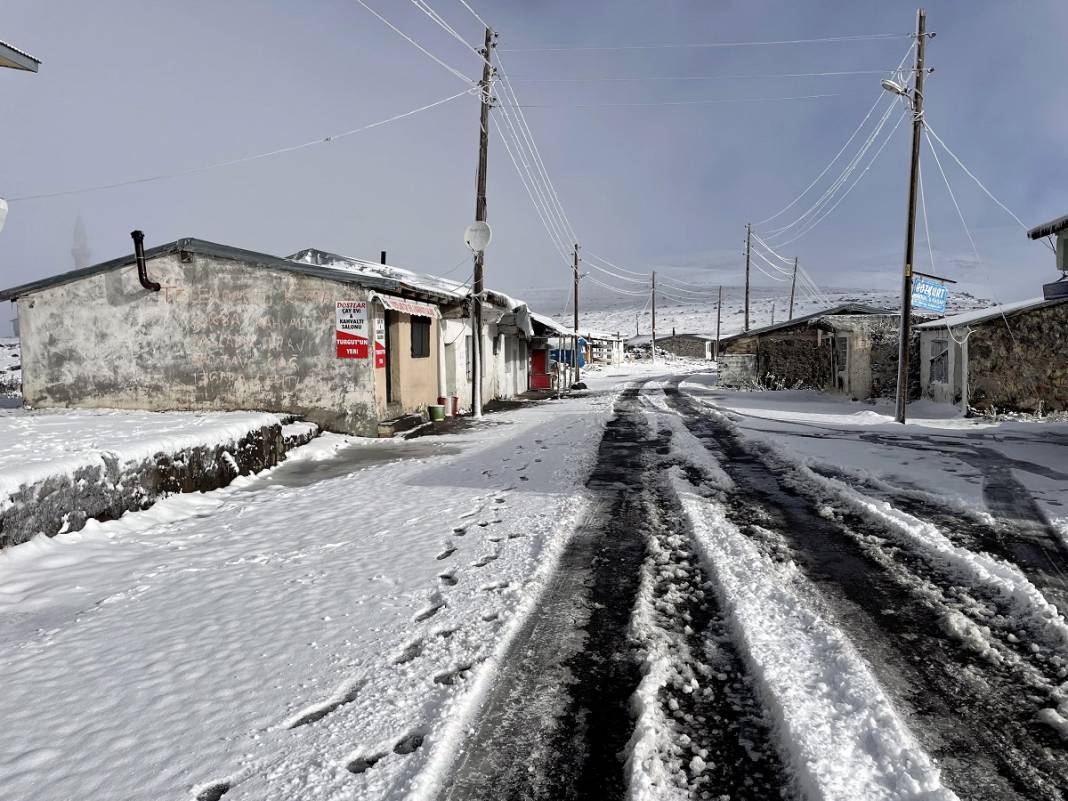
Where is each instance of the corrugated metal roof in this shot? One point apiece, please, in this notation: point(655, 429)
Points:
point(977, 316)
point(845, 308)
point(1050, 228)
point(201, 246)
point(11, 56)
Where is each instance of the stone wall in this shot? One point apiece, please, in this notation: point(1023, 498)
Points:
point(1024, 371)
point(795, 357)
point(687, 347)
point(221, 334)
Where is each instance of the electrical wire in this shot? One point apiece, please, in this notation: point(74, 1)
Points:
point(628, 78)
point(242, 160)
point(712, 101)
point(481, 21)
point(837, 155)
point(412, 41)
point(615, 288)
point(435, 17)
point(684, 45)
point(603, 260)
point(590, 263)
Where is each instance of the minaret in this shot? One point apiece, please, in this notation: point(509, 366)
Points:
point(80, 251)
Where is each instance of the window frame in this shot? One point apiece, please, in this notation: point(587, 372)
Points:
point(419, 332)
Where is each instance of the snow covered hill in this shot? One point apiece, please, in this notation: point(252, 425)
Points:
point(698, 315)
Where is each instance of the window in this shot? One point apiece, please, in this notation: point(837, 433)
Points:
point(939, 361)
point(420, 337)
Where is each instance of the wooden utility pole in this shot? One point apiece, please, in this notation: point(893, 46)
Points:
point(652, 349)
point(773, 312)
point(719, 306)
point(748, 242)
point(793, 285)
point(910, 228)
point(575, 353)
point(478, 285)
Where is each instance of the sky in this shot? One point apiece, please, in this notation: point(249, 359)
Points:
point(651, 174)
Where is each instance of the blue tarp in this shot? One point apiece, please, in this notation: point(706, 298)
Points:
point(564, 356)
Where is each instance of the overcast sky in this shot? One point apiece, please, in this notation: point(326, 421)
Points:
point(128, 90)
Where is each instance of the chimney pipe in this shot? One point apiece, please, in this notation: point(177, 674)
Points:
point(142, 268)
point(383, 257)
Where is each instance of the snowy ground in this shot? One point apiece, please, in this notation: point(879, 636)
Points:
point(657, 590)
point(696, 314)
point(35, 445)
point(10, 368)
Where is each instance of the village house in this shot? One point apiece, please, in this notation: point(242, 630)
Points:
point(688, 346)
point(341, 342)
point(604, 347)
point(849, 349)
point(1004, 358)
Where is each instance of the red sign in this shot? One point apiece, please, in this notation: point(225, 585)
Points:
point(351, 331)
point(380, 343)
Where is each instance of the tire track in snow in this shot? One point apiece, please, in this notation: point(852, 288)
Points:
point(977, 717)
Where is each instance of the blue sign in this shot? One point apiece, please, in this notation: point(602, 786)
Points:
point(929, 295)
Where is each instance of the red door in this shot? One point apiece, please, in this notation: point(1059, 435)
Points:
point(539, 369)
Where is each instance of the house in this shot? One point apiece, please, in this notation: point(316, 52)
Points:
point(1012, 357)
point(542, 369)
point(850, 349)
point(689, 346)
point(604, 347)
point(1059, 229)
point(199, 325)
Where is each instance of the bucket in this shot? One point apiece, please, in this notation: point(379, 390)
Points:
point(447, 403)
point(437, 412)
point(454, 402)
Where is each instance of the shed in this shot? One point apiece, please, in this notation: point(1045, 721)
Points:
point(689, 346)
point(1012, 357)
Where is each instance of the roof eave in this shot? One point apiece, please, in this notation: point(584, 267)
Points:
point(1050, 228)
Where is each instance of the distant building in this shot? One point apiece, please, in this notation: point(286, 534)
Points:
point(849, 349)
point(689, 346)
point(339, 341)
point(1006, 358)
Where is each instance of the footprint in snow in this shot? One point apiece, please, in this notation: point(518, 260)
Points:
point(496, 585)
point(411, 651)
point(485, 560)
point(449, 551)
point(452, 676)
point(409, 744)
point(436, 605)
point(459, 531)
point(448, 579)
point(213, 792)
point(362, 764)
point(445, 633)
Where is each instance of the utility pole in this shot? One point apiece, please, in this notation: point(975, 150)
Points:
point(910, 229)
point(773, 312)
point(652, 350)
point(793, 285)
point(480, 216)
point(748, 242)
point(719, 306)
point(575, 353)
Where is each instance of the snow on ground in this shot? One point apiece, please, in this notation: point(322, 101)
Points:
point(843, 737)
point(696, 314)
point(320, 629)
point(10, 367)
point(938, 452)
point(35, 445)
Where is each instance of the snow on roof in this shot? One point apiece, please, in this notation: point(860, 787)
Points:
point(844, 308)
point(612, 335)
point(978, 316)
point(11, 56)
point(1050, 228)
point(423, 282)
point(549, 323)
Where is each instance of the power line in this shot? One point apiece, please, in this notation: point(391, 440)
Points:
point(628, 78)
point(614, 266)
point(481, 21)
point(244, 159)
point(412, 41)
point(837, 155)
point(711, 101)
point(700, 45)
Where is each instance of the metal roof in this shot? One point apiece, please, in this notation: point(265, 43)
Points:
point(978, 316)
point(1050, 228)
point(845, 308)
point(190, 245)
point(12, 57)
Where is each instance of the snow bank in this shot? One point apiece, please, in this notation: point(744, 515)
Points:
point(58, 469)
point(840, 731)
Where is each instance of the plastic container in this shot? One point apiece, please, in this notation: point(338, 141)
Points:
point(455, 403)
point(447, 403)
point(437, 412)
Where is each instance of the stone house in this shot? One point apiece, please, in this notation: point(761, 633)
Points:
point(689, 346)
point(340, 342)
point(1012, 357)
point(849, 349)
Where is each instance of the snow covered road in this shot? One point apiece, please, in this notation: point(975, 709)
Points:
point(655, 591)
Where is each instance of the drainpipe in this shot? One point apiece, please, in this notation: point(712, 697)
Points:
point(142, 268)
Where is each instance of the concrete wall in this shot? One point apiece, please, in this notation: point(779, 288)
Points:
point(873, 346)
point(219, 335)
point(1022, 371)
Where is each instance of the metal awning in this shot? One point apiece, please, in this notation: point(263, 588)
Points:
point(13, 58)
point(405, 306)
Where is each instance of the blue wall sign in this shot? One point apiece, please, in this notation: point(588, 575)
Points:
point(929, 295)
